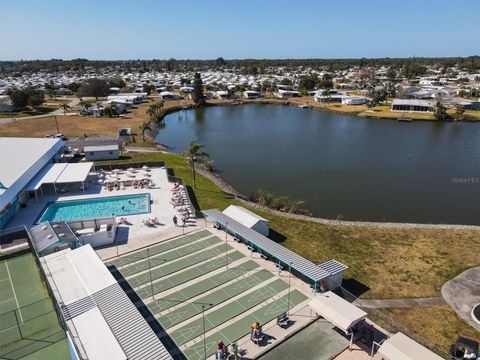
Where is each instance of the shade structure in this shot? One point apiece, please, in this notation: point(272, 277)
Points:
point(336, 310)
point(76, 172)
point(401, 347)
point(48, 175)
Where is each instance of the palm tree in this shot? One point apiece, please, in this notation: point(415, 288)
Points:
point(65, 108)
point(195, 152)
point(85, 105)
point(144, 127)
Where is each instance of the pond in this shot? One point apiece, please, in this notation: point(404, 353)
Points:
point(343, 167)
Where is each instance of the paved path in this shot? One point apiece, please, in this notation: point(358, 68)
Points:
point(462, 293)
point(72, 103)
point(399, 303)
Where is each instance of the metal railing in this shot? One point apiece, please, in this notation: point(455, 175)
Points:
point(390, 325)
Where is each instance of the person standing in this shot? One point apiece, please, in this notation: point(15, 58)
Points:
point(175, 220)
point(234, 348)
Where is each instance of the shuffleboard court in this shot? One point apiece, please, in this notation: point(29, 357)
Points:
point(187, 275)
point(195, 328)
point(240, 328)
point(176, 265)
point(169, 256)
point(157, 249)
point(200, 286)
point(217, 297)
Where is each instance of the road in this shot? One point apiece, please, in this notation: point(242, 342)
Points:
point(72, 103)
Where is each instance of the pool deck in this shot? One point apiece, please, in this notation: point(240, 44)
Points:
point(129, 237)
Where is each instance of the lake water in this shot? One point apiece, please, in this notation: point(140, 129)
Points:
point(342, 166)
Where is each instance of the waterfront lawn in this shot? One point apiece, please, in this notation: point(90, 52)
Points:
point(390, 262)
point(438, 324)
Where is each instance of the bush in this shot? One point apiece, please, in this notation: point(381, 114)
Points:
point(280, 203)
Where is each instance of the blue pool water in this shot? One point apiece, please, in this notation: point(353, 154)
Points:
point(97, 207)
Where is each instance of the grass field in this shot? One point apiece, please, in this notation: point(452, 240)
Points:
point(76, 125)
point(439, 324)
point(29, 327)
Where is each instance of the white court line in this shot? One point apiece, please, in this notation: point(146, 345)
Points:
point(13, 289)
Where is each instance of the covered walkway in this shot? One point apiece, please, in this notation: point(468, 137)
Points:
point(286, 259)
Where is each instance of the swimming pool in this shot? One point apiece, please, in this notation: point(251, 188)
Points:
point(96, 207)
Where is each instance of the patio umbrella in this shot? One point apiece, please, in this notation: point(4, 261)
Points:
point(145, 167)
point(131, 169)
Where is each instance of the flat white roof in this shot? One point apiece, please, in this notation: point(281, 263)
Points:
point(336, 310)
point(48, 175)
point(75, 172)
point(77, 275)
point(105, 322)
point(19, 154)
point(401, 347)
point(60, 173)
point(243, 216)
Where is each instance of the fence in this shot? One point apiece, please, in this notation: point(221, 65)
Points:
point(27, 327)
point(391, 325)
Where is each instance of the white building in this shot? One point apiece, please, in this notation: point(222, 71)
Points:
point(5, 103)
point(168, 95)
point(251, 94)
point(355, 100)
point(286, 94)
point(101, 152)
point(24, 158)
point(102, 321)
point(409, 105)
point(248, 219)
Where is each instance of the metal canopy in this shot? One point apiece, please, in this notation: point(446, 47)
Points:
point(287, 257)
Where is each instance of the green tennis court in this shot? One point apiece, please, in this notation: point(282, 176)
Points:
point(174, 266)
point(195, 328)
point(240, 328)
point(159, 248)
point(215, 298)
point(29, 327)
point(187, 275)
point(200, 286)
point(143, 265)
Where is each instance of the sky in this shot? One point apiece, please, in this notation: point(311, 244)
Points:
point(207, 29)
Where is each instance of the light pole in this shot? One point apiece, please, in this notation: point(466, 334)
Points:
point(226, 245)
point(289, 280)
point(56, 123)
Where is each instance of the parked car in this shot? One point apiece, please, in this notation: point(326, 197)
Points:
point(49, 136)
point(464, 348)
point(61, 136)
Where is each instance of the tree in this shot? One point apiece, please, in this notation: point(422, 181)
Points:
point(85, 105)
point(197, 94)
point(155, 111)
point(219, 62)
point(65, 108)
point(440, 112)
point(307, 83)
point(193, 154)
point(144, 127)
point(19, 99)
point(391, 74)
point(93, 87)
point(286, 81)
point(35, 98)
point(459, 110)
point(116, 81)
